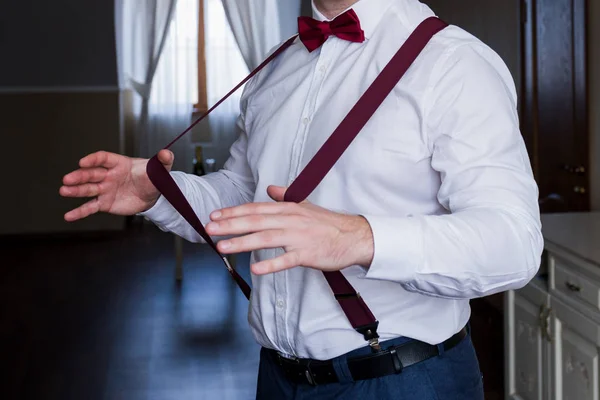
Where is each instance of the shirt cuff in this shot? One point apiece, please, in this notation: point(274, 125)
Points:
point(398, 248)
point(162, 212)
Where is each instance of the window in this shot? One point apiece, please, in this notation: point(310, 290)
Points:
point(220, 62)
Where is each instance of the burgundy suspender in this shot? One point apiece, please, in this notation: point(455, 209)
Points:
point(353, 306)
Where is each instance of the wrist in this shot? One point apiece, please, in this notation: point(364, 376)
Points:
point(362, 243)
point(151, 203)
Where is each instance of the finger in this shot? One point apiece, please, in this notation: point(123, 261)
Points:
point(89, 208)
point(166, 158)
point(84, 176)
point(277, 193)
point(100, 159)
point(85, 190)
point(283, 262)
point(255, 208)
point(252, 223)
point(270, 239)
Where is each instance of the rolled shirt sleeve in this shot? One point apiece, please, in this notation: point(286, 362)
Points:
point(490, 241)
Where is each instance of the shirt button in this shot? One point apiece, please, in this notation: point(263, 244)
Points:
point(305, 120)
point(280, 303)
point(323, 68)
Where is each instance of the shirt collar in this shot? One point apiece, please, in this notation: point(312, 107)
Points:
point(369, 13)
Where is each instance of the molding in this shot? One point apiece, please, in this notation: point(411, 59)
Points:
point(60, 89)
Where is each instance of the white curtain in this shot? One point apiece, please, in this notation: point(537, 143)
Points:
point(256, 27)
point(158, 60)
point(225, 68)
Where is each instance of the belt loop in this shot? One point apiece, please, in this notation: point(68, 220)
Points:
point(340, 365)
point(398, 367)
point(441, 349)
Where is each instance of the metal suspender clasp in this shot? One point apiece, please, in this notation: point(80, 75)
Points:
point(369, 332)
point(228, 265)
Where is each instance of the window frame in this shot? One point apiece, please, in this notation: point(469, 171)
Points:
point(202, 105)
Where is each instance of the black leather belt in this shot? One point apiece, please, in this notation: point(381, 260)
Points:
point(385, 362)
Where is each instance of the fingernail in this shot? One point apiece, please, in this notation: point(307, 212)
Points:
point(212, 226)
point(216, 214)
point(225, 245)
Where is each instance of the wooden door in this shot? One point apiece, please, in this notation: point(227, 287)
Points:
point(554, 110)
point(543, 43)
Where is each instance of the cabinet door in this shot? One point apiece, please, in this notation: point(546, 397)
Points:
point(574, 354)
point(527, 346)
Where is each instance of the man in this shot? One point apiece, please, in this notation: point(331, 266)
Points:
point(433, 204)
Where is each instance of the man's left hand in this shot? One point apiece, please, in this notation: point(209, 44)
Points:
point(310, 235)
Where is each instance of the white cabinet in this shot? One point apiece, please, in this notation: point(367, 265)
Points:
point(552, 326)
point(526, 341)
point(574, 353)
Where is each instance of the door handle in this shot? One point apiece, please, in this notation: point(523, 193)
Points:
point(544, 318)
point(576, 170)
point(573, 287)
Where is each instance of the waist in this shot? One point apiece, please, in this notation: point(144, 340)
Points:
point(314, 326)
point(395, 355)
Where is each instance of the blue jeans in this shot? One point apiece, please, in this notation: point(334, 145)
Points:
point(453, 375)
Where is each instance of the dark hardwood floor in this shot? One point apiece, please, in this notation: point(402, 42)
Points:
point(102, 318)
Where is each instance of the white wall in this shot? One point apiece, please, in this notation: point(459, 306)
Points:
point(594, 69)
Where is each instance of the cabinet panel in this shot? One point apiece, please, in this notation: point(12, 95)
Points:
point(574, 354)
point(527, 354)
point(579, 367)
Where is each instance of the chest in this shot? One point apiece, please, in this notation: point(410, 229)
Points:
point(303, 97)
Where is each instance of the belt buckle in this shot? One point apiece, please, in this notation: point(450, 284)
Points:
point(310, 378)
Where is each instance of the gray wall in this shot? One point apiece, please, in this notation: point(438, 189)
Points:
point(288, 15)
point(59, 100)
point(500, 28)
point(289, 10)
point(306, 8)
point(57, 43)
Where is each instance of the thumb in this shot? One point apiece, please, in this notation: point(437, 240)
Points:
point(166, 158)
point(277, 193)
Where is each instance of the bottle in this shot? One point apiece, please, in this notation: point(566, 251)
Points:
point(210, 165)
point(199, 162)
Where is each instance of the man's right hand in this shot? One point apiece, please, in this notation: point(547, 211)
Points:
point(118, 184)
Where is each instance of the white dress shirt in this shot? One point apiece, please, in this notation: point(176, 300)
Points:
point(440, 172)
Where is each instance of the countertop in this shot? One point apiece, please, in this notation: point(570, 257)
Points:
point(576, 233)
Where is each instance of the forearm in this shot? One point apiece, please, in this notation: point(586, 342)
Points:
point(469, 254)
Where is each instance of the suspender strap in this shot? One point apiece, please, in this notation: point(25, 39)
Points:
point(353, 306)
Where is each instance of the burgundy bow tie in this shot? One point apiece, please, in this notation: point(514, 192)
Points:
point(314, 33)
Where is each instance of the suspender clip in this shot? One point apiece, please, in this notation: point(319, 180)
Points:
point(369, 332)
point(228, 265)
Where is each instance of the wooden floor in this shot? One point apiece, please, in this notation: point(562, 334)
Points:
point(102, 318)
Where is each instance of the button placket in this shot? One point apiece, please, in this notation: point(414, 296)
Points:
point(315, 89)
point(306, 117)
